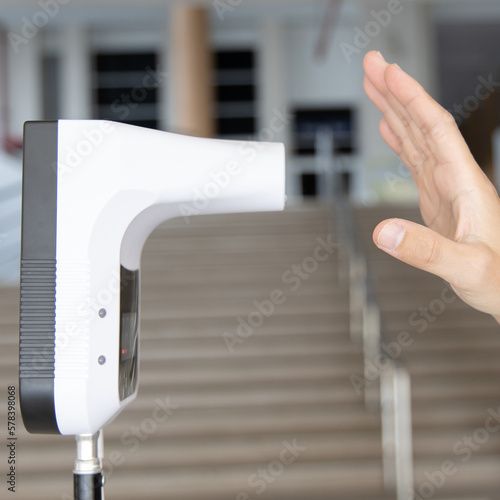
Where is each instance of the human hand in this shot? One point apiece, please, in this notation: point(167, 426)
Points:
point(458, 203)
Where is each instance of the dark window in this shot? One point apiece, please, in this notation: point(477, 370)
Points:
point(308, 122)
point(126, 88)
point(241, 59)
point(106, 63)
point(231, 93)
point(235, 93)
point(236, 126)
point(309, 185)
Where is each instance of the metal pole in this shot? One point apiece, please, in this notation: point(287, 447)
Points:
point(397, 430)
point(87, 473)
point(403, 433)
point(388, 414)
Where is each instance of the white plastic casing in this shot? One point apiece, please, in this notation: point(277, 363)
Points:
point(116, 183)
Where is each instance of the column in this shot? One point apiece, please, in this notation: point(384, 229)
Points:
point(76, 74)
point(24, 75)
point(192, 71)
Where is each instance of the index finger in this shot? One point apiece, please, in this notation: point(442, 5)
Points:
point(436, 124)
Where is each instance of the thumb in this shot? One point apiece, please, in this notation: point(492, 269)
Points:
point(421, 247)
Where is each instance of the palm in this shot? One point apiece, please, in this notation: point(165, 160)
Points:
point(436, 201)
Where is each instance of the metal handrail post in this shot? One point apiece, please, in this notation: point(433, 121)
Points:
point(371, 351)
point(403, 432)
point(397, 442)
point(392, 394)
point(388, 414)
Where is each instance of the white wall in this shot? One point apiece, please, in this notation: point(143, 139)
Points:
point(313, 81)
point(24, 85)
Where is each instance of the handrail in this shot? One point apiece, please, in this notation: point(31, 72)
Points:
point(392, 395)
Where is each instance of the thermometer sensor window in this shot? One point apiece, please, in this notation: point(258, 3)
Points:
point(129, 330)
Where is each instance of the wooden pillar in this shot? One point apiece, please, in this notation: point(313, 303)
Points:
point(192, 71)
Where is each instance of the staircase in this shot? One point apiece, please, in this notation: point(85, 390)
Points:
point(454, 363)
point(231, 411)
point(267, 413)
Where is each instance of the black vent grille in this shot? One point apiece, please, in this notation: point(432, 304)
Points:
point(38, 319)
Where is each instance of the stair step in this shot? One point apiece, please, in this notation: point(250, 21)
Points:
point(479, 474)
point(250, 421)
point(266, 274)
point(460, 319)
point(282, 259)
point(455, 387)
point(461, 443)
point(432, 364)
point(450, 339)
point(199, 245)
point(278, 324)
point(208, 307)
point(258, 394)
point(252, 289)
point(143, 450)
point(296, 480)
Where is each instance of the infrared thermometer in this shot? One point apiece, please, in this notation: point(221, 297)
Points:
point(93, 191)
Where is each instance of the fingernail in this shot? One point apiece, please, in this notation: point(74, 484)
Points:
point(397, 65)
point(380, 55)
point(391, 236)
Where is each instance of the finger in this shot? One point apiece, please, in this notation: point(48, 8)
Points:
point(375, 95)
point(422, 248)
point(376, 85)
point(400, 122)
point(437, 125)
point(377, 90)
point(389, 115)
point(390, 138)
point(435, 136)
point(394, 143)
point(395, 134)
point(374, 64)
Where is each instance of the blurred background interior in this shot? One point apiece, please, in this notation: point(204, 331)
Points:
point(378, 379)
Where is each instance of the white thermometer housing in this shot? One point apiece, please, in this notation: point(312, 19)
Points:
point(92, 193)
